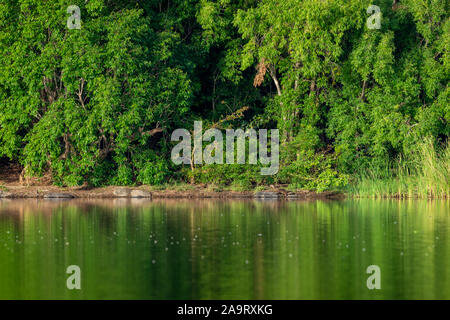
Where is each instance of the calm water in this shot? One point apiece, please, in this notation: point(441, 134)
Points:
point(181, 249)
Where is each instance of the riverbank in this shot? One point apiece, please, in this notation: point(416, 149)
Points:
point(53, 192)
point(13, 187)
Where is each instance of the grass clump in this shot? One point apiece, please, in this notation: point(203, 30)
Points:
point(426, 175)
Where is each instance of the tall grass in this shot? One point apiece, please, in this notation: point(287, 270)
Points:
point(427, 175)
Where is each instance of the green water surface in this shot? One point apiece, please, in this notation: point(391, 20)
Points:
point(211, 249)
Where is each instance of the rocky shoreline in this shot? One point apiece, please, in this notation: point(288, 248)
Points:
point(51, 192)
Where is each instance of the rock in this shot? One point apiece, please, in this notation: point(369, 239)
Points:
point(267, 194)
point(131, 193)
point(293, 195)
point(4, 194)
point(140, 194)
point(121, 192)
point(58, 195)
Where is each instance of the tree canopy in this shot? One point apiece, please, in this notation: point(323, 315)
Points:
point(98, 104)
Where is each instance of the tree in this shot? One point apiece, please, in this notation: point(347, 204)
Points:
point(83, 103)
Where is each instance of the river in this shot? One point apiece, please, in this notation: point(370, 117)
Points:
point(224, 249)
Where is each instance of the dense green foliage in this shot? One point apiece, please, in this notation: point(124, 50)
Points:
point(98, 105)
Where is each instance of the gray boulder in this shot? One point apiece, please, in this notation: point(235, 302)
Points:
point(58, 195)
point(140, 194)
point(131, 193)
point(121, 192)
point(267, 195)
point(4, 194)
